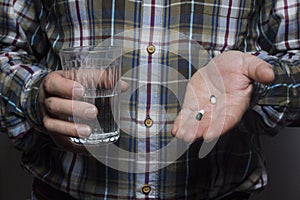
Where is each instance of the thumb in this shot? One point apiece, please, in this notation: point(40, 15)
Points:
point(124, 86)
point(258, 69)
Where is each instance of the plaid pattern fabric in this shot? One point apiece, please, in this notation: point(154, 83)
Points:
point(33, 32)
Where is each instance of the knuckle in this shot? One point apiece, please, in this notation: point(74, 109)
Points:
point(48, 82)
point(47, 122)
point(51, 105)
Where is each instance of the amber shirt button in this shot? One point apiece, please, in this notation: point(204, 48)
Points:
point(151, 49)
point(148, 122)
point(146, 189)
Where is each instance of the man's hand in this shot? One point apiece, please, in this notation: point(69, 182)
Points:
point(228, 77)
point(57, 102)
point(55, 99)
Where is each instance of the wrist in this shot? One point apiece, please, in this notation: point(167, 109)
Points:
point(31, 103)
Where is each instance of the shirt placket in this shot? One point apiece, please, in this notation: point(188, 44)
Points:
point(149, 93)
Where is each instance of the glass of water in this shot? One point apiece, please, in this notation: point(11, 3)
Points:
point(98, 69)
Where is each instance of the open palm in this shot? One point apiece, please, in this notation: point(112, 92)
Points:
point(228, 77)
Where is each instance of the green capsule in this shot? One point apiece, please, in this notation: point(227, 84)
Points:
point(200, 115)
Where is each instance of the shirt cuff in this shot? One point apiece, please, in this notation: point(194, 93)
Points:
point(278, 102)
point(30, 100)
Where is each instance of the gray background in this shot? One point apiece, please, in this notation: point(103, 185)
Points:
point(282, 153)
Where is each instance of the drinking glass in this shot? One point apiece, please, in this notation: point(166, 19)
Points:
point(98, 69)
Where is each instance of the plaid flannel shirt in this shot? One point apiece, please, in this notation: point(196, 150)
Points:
point(32, 32)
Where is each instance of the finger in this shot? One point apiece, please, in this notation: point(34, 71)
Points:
point(191, 131)
point(188, 128)
point(66, 128)
point(175, 127)
point(198, 128)
point(176, 124)
point(264, 74)
point(65, 107)
point(109, 79)
point(124, 86)
point(258, 69)
point(56, 84)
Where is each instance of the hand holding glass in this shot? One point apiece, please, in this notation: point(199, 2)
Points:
point(98, 70)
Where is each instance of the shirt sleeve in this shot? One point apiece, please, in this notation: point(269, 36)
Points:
point(277, 33)
point(21, 44)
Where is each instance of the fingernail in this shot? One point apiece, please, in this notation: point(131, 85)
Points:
point(90, 113)
point(78, 91)
point(174, 130)
point(84, 131)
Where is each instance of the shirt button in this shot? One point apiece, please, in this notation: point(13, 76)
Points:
point(148, 122)
point(146, 189)
point(151, 49)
